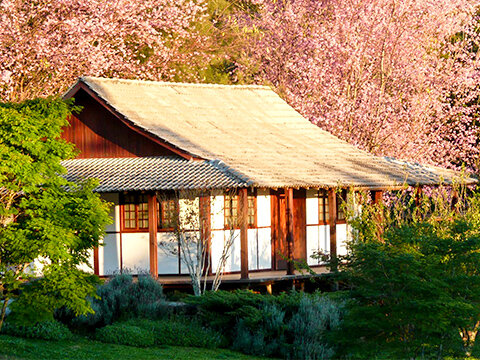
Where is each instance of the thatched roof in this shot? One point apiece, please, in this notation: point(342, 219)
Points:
point(254, 133)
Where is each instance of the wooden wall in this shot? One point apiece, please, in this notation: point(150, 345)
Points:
point(279, 230)
point(299, 224)
point(98, 133)
point(279, 248)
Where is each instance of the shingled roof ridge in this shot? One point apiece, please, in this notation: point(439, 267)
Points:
point(85, 79)
point(224, 168)
point(152, 173)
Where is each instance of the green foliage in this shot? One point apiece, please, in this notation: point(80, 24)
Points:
point(125, 335)
point(47, 330)
point(292, 325)
point(310, 325)
point(221, 309)
point(299, 331)
point(221, 57)
point(180, 331)
point(414, 273)
point(43, 217)
point(122, 297)
point(266, 336)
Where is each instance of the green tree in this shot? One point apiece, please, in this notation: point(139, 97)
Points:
point(414, 276)
point(44, 219)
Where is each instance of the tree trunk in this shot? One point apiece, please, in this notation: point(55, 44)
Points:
point(4, 311)
point(468, 337)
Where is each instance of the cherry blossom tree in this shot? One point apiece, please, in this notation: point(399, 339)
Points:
point(45, 45)
point(389, 76)
point(394, 77)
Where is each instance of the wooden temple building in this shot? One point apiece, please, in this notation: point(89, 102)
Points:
point(243, 150)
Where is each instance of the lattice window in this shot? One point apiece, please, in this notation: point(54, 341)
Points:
point(135, 212)
point(167, 214)
point(252, 211)
point(232, 211)
point(323, 215)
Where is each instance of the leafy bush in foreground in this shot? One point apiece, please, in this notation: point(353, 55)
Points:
point(222, 309)
point(265, 337)
point(124, 298)
point(180, 331)
point(48, 330)
point(125, 335)
point(292, 325)
point(309, 325)
point(414, 274)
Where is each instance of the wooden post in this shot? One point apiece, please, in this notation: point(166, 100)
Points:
point(455, 200)
point(205, 228)
point(377, 196)
point(152, 229)
point(290, 241)
point(243, 219)
point(96, 267)
point(269, 289)
point(418, 195)
point(332, 215)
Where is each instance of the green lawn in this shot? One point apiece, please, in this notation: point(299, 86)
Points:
point(82, 348)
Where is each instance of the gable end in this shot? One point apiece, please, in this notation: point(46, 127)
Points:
point(98, 131)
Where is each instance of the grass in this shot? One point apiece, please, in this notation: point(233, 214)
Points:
point(13, 348)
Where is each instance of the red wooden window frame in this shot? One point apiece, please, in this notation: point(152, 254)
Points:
point(323, 213)
point(167, 214)
point(231, 210)
point(136, 206)
point(252, 209)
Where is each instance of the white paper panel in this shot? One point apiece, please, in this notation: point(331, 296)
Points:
point(136, 252)
point(167, 253)
point(217, 208)
point(193, 250)
point(312, 207)
point(264, 248)
point(318, 239)
point(341, 239)
point(219, 238)
point(263, 209)
point(88, 267)
point(109, 255)
point(233, 261)
point(324, 242)
point(114, 211)
point(252, 249)
point(312, 243)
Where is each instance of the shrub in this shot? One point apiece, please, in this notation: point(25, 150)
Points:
point(125, 335)
point(293, 326)
point(180, 331)
point(265, 337)
point(308, 327)
point(123, 298)
point(414, 274)
point(222, 309)
point(48, 330)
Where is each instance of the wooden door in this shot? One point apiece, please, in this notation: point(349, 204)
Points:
point(279, 229)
